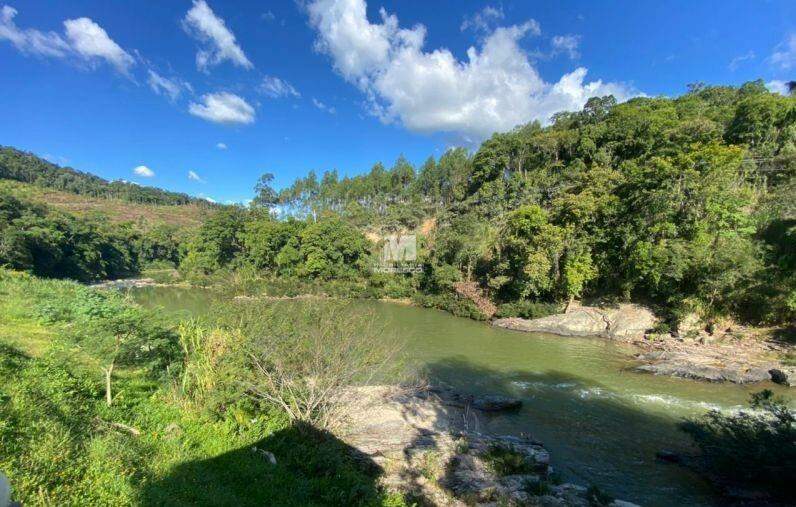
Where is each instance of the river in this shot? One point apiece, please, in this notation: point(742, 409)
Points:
point(602, 422)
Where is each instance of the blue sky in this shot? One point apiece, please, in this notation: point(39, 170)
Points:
point(228, 90)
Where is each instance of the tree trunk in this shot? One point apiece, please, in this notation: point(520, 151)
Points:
point(108, 374)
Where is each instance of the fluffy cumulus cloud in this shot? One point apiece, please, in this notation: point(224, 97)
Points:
point(221, 146)
point(566, 44)
point(170, 87)
point(195, 177)
point(223, 107)
point(219, 41)
point(495, 89)
point(784, 55)
point(277, 88)
point(90, 41)
point(143, 171)
point(83, 39)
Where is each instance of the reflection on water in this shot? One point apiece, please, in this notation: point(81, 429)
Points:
point(601, 421)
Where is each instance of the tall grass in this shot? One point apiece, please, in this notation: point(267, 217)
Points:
point(60, 444)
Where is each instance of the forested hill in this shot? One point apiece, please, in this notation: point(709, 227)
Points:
point(689, 202)
point(27, 167)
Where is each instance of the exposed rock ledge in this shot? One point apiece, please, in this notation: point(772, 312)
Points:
point(430, 449)
point(734, 354)
point(626, 321)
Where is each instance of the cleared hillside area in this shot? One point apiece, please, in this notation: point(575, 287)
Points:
point(115, 210)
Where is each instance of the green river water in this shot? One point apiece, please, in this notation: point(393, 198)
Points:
point(601, 421)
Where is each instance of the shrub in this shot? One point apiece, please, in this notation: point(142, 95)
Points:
point(505, 460)
point(527, 309)
point(597, 497)
point(753, 449)
point(303, 359)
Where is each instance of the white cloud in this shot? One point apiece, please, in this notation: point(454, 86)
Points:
point(195, 177)
point(738, 60)
point(221, 146)
point(323, 107)
point(777, 86)
point(143, 171)
point(29, 40)
point(566, 44)
point(83, 38)
point(784, 55)
point(484, 20)
point(223, 107)
point(220, 44)
point(495, 89)
point(170, 87)
point(90, 41)
point(275, 88)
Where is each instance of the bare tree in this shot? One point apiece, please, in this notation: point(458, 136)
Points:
point(304, 363)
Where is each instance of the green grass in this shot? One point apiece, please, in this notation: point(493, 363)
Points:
point(505, 460)
point(60, 444)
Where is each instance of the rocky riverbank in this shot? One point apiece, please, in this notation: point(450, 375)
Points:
point(730, 353)
point(427, 442)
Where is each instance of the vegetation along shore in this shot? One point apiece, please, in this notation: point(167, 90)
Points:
point(667, 225)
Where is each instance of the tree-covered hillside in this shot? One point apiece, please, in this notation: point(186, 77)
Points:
point(27, 167)
point(687, 202)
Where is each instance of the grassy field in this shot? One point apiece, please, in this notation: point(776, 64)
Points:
point(116, 210)
point(61, 444)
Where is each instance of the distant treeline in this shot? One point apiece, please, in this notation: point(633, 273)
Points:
point(53, 244)
point(28, 168)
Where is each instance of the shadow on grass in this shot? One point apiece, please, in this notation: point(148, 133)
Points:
point(312, 468)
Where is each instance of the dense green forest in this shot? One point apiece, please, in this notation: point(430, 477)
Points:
point(687, 204)
point(26, 167)
point(683, 203)
point(51, 243)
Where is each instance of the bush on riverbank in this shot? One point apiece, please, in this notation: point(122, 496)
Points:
point(751, 450)
point(179, 432)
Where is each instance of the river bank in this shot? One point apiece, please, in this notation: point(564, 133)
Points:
point(429, 447)
point(728, 353)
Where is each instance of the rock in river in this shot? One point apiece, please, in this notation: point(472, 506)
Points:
point(423, 443)
point(488, 403)
point(784, 376)
point(626, 321)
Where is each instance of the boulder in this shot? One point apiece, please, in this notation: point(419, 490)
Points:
point(629, 321)
point(496, 403)
point(783, 376)
point(625, 322)
point(488, 403)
